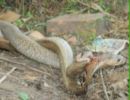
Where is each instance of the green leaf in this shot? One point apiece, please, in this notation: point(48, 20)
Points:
point(29, 14)
point(19, 22)
point(23, 96)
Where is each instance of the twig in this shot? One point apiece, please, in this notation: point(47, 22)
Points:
point(7, 74)
point(82, 3)
point(97, 7)
point(10, 61)
point(103, 83)
point(10, 76)
point(23, 64)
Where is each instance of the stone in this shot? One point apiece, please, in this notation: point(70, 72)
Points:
point(86, 27)
point(77, 24)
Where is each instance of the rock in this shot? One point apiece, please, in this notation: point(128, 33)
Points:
point(83, 24)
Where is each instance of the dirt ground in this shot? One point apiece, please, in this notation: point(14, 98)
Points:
point(42, 82)
point(21, 75)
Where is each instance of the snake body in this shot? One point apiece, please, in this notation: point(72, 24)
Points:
point(32, 49)
point(35, 51)
point(27, 46)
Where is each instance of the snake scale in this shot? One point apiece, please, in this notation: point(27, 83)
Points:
point(63, 58)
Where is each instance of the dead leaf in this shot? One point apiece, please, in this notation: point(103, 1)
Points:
point(72, 40)
point(118, 76)
point(31, 76)
point(47, 85)
point(4, 44)
point(118, 80)
point(36, 35)
point(122, 84)
point(9, 16)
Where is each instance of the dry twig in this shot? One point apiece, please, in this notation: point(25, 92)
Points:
point(103, 83)
point(23, 64)
point(96, 7)
point(7, 74)
point(10, 61)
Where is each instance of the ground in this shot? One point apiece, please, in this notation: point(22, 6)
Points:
point(42, 82)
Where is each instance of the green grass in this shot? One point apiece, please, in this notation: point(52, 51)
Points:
point(71, 6)
point(2, 2)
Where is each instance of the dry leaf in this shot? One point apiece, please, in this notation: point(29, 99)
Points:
point(118, 76)
point(9, 16)
point(4, 44)
point(122, 84)
point(72, 40)
point(46, 85)
point(30, 78)
point(36, 35)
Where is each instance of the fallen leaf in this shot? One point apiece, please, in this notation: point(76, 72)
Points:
point(117, 76)
point(122, 84)
point(9, 16)
point(46, 85)
point(36, 35)
point(30, 78)
point(4, 44)
point(72, 40)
